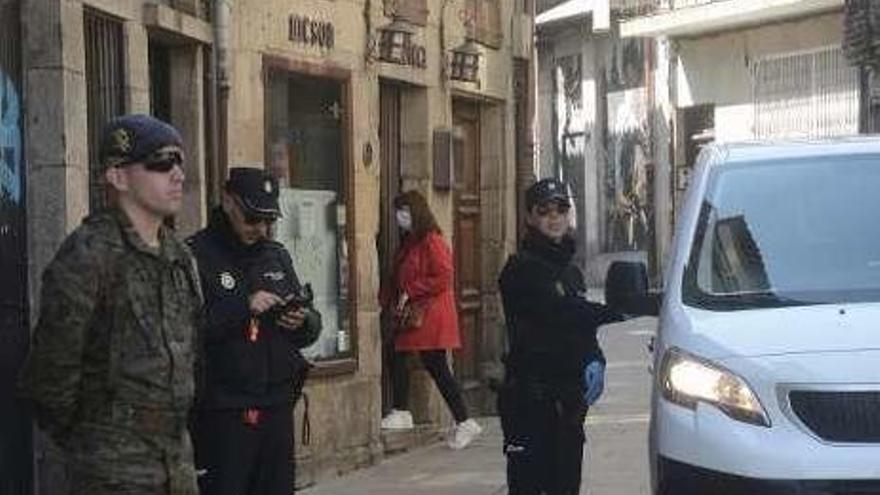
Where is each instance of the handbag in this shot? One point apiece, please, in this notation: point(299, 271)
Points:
point(408, 315)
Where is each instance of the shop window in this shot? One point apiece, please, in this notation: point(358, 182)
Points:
point(306, 149)
point(105, 89)
point(414, 11)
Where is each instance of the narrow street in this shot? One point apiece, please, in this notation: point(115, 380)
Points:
point(616, 463)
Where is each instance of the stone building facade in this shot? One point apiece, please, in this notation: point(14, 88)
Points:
point(309, 89)
point(370, 128)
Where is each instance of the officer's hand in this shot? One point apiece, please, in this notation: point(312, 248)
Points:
point(594, 381)
point(293, 319)
point(262, 301)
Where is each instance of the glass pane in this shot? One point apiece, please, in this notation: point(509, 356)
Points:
point(305, 146)
point(790, 232)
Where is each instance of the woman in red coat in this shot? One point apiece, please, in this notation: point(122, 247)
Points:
point(422, 286)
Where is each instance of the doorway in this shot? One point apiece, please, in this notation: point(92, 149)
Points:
point(16, 459)
point(468, 245)
point(389, 239)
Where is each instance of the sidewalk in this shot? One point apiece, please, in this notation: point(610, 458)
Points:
point(616, 461)
point(432, 470)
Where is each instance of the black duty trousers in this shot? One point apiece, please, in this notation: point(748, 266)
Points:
point(438, 367)
point(236, 458)
point(543, 438)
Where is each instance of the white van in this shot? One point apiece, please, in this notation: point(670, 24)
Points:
point(767, 356)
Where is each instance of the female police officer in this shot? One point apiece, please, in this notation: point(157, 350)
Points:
point(554, 366)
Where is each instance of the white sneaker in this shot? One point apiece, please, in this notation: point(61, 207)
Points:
point(398, 420)
point(464, 433)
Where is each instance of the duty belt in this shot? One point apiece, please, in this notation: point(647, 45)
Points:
point(149, 420)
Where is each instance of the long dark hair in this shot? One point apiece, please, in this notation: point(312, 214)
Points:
point(423, 221)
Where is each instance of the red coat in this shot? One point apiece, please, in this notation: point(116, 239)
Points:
point(424, 270)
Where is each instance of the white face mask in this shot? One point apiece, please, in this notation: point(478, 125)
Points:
point(404, 219)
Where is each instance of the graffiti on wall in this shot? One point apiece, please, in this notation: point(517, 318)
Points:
point(10, 141)
point(571, 133)
point(627, 186)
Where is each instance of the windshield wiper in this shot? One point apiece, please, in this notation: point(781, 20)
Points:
point(752, 300)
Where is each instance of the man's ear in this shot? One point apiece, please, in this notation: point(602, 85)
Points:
point(117, 178)
point(531, 219)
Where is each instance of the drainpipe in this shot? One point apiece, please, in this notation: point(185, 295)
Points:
point(525, 174)
point(222, 14)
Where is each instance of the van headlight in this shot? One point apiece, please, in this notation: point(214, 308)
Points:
point(687, 380)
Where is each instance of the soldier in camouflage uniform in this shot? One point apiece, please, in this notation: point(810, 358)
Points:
point(111, 369)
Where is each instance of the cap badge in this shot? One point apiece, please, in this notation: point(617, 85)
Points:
point(274, 276)
point(267, 186)
point(227, 281)
point(560, 289)
point(121, 140)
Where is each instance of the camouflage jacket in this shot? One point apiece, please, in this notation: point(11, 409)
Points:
point(115, 345)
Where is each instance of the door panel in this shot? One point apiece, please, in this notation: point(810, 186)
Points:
point(466, 119)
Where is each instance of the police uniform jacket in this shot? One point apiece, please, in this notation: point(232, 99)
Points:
point(242, 369)
point(551, 325)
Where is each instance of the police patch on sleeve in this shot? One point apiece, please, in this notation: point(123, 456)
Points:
point(227, 281)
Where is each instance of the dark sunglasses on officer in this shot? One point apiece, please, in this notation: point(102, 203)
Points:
point(163, 161)
point(558, 205)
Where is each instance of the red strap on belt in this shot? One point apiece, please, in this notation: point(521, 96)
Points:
point(253, 330)
point(251, 417)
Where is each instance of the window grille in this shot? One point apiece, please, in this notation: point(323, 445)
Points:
point(805, 95)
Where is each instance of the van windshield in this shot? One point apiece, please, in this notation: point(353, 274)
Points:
point(787, 233)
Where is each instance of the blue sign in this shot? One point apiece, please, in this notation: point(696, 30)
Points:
point(10, 141)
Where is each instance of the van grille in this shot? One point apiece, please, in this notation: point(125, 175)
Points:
point(846, 417)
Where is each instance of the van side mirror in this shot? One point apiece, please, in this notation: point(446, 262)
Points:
point(626, 289)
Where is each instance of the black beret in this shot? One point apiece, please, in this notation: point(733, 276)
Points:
point(132, 138)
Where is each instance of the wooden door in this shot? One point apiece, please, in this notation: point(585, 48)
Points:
point(389, 238)
point(466, 119)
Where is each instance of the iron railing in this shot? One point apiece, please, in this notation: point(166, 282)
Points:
point(105, 89)
point(641, 8)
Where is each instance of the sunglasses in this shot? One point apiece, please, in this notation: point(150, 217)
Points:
point(163, 162)
point(560, 207)
point(251, 218)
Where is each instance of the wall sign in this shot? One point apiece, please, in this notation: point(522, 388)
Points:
point(311, 32)
point(415, 55)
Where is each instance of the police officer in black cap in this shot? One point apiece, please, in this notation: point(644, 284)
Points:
point(258, 317)
point(554, 368)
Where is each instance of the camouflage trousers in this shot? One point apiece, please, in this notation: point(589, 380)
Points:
point(108, 460)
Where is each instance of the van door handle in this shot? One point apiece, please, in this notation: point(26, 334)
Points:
point(650, 347)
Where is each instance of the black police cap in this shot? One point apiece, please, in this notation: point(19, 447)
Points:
point(545, 191)
point(257, 189)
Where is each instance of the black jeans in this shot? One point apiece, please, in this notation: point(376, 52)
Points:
point(543, 438)
point(437, 366)
point(243, 459)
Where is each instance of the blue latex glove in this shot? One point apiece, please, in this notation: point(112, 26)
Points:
point(594, 381)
